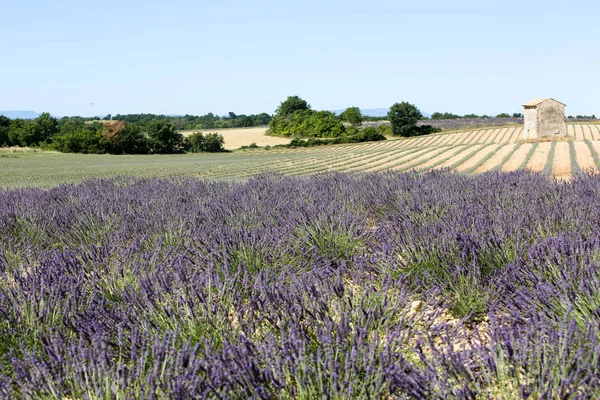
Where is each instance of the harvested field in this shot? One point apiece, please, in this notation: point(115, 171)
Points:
point(496, 160)
point(238, 137)
point(517, 159)
point(472, 151)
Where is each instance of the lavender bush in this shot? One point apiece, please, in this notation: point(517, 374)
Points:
point(330, 286)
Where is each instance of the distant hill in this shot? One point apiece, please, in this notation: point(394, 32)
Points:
point(13, 114)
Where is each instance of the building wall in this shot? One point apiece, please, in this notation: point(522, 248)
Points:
point(544, 120)
point(531, 123)
point(551, 119)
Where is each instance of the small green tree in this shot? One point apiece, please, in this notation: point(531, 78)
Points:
point(45, 127)
point(86, 139)
point(503, 115)
point(404, 117)
point(324, 124)
point(164, 138)
point(352, 115)
point(4, 129)
point(210, 143)
point(291, 105)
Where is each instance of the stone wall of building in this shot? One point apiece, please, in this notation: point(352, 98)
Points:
point(545, 118)
point(530, 128)
point(551, 119)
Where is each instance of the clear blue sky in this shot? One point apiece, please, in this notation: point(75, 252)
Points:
point(246, 56)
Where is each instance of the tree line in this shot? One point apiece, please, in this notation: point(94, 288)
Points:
point(295, 118)
point(76, 135)
point(447, 115)
point(193, 122)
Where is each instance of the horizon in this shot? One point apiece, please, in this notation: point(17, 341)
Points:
point(96, 58)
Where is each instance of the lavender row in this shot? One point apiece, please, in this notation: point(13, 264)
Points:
point(336, 286)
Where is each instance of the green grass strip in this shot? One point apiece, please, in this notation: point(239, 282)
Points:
point(550, 161)
point(529, 156)
point(575, 170)
point(507, 157)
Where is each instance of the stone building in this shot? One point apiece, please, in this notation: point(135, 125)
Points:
point(544, 118)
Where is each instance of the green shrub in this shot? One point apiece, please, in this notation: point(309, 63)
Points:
point(164, 138)
point(209, 143)
point(86, 141)
point(385, 130)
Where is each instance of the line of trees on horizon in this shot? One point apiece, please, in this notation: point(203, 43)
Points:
point(76, 135)
point(194, 122)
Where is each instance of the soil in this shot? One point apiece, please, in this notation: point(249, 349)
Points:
point(584, 158)
point(562, 159)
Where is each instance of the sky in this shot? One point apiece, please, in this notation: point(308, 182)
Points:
point(247, 56)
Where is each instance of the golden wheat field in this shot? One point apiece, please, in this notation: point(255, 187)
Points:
point(238, 137)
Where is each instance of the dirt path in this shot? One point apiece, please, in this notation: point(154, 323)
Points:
point(540, 157)
point(517, 158)
point(595, 131)
point(496, 159)
point(584, 157)
point(562, 160)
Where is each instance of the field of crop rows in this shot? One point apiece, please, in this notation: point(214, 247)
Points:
point(473, 151)
point(329, 286)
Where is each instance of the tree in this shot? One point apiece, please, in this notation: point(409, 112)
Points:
point(404, 117)
point(45, 127)
point(445, 115)
point(4, 130)
point(503, 115)
point(324, 124)
point(210, 143)
point(262, 119)
point(81, 138)
point(517, 115)
point(132, 141)
point(291, 105)
point(352, 115)
point(164, 138)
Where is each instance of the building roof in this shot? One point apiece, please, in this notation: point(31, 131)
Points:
point(540, 100)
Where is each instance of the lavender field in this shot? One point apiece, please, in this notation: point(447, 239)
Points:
point(341, 286)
